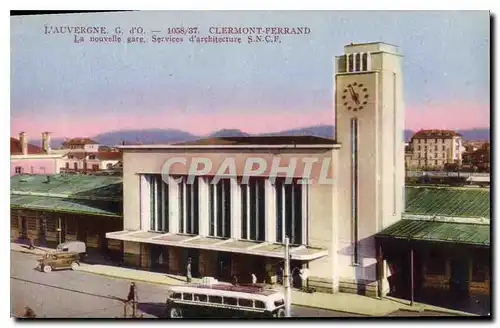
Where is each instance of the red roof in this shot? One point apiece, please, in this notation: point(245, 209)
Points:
point(16, 149)
point(109, 155)
point(79, 141)
point(436, 134)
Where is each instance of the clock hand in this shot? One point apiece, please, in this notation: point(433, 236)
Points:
point(354, 95)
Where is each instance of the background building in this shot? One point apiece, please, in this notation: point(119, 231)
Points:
point(31, 159)
point(51, 209)
point(434, 149)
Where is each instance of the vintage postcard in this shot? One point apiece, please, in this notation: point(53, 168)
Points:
point(250, 164)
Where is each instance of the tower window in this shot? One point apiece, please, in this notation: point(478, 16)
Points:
point(350, 61)
point(365, 61)
point(357, 58)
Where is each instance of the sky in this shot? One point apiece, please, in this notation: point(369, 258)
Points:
point(83, 89)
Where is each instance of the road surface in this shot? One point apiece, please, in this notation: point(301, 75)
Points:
point(75, 294)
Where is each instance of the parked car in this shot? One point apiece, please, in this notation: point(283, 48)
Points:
point(59, 260)
point(74, 247)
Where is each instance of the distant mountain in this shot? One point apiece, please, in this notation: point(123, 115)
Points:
point(148, 136)
point(158, 136)
point(229, 133)
point(468, 134)
point(475, 134)
point(327, 131)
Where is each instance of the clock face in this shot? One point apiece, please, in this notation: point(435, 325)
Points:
point(355, 97)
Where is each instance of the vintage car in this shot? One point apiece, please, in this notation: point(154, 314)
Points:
point(59, 260)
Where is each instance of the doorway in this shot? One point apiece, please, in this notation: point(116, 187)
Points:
point(459, 278)
point(224, 266)
point(158, 257)
point(194, 255)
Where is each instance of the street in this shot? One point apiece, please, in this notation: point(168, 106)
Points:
point(74, 294)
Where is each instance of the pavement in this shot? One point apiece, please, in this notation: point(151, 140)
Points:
point(341, 302)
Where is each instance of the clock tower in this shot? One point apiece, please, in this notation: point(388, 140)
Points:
point(369, 124)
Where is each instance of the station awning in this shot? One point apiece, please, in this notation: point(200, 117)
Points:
point(302, 253)
point(439, 231)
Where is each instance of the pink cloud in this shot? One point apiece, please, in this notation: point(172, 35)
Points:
point(447, 116)
point(443, 116)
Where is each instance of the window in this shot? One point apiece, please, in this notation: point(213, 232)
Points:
point(436, 163)
point(357, 58)
point(230, 301)
point(71, 156)
point(95, 167)
point(260, 304)
point(253, 205)
point(75, 166)
point(479, 271)
point(289, 211)
point(365, 62)
point(109, 166)
point(436, 155)
point(436, 264)
point(245, 302)
point(19, 170)
point(419, 148)
point(354, 188)
point(351, 62)
point(436, 141)
point(200, 297)
point(444, 148)
point(220, 209)
point(215, 299)
point(188, 207)
point(67, 165)
point(177, 296)
point(91, 156)
point(436, 148)
point(187, 297)
point(158, 198)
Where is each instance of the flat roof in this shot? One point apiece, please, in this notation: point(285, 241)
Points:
point(216, 244)
point(247, 142)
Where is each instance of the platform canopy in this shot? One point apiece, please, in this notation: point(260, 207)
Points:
point(248, 247)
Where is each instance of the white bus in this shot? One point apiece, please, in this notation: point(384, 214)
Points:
point(224, 300)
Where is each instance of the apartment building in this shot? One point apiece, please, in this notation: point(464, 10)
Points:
point(434, 149)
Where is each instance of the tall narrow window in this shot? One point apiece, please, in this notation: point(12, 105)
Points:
point(188, 207)
point(158, 203)
point(354, 187)
point(357, 66)
point(289, 211)
point(220, 209)
point(350, 61)
point(364, 60)
point(253, 210)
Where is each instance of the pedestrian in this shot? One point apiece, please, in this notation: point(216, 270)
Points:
point(132, 292)
point(254, 279)
point(235, 280)
point(31, 244)
point(188, 271)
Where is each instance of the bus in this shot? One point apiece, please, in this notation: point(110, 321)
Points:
point(222, 300)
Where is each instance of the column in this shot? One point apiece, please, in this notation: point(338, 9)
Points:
point(270, 214)
point(144, 194)
point(173, 205)
point(204, 205)
point(353, 62)
point(235, 209)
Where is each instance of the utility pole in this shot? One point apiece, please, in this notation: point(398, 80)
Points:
point(286, 278)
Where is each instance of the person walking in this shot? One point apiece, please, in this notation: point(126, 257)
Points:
point(254, 279)
point(188, 271)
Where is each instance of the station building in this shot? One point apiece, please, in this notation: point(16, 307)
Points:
point(234, 229)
